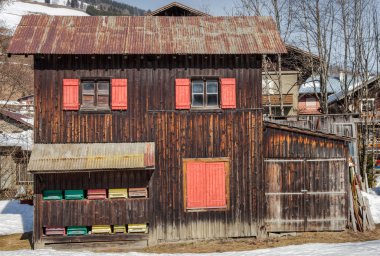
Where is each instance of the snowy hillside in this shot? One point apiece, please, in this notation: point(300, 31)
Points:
point(11, 14)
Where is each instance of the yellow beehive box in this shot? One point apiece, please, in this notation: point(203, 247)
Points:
point(137, 228)
point(101, 229)
point(119, 229)
point(117, 193)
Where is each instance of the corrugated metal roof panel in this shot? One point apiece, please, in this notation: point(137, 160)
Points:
point(86, 157)
point(39, 34)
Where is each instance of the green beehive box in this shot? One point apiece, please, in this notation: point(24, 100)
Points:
point(77, 231)
point(52, 195)
point(74, 194)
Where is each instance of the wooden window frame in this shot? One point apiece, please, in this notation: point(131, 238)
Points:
point(205, 93)
point(226, 162)
point(96, 81)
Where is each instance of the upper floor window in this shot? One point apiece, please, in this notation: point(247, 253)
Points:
point(205, 94)
point(95, 94)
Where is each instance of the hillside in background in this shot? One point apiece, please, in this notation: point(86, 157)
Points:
point(111, 8)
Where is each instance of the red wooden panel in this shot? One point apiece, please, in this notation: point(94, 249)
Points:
point(216, 185)
point(119, 94)
point(71, 94)
point(228, 92)
point(182, 93)
point(195, 185)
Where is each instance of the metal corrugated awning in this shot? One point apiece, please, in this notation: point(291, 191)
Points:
point(57, 158)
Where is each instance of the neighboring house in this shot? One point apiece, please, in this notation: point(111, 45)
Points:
point(294, 71)
point(168, 105)
point(310, 93)
point(358, 103)
point(176, 9)
point(271, 96)
point(16, 131)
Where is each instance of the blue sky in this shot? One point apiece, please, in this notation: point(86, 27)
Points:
point(216, 7)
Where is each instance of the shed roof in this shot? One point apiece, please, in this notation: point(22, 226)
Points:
point(53, 158)
point(41, 34)
point(306, 131)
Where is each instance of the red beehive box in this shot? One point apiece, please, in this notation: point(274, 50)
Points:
point(55, 231)
point(94, 194)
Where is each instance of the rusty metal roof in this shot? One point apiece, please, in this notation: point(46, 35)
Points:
point(53, 158)
point(41, 34)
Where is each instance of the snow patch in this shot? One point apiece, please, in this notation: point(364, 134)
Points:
point(15, 218)
point(12, 12)
point(21, 139)
point(374, 203)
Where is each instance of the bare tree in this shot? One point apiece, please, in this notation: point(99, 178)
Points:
point(283, 12)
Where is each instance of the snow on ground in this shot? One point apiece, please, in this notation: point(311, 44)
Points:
point(22, 139)
point(373, 196)
point(347, 249)
point(12, 12)
point(15, 217)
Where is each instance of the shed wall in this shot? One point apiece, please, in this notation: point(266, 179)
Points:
point(306, 179)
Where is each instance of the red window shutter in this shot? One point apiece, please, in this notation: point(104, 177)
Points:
point(71, 94)
point(182, 93)
point(228, 93)
point(119, 94)
point(195, 185)
point(216, 185)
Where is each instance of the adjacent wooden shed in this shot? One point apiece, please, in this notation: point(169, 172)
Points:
point(306, 179)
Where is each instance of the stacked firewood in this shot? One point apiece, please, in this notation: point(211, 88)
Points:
point(360, 214)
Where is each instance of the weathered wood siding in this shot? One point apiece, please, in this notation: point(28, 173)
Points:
point(305, 181)
point(151, 117)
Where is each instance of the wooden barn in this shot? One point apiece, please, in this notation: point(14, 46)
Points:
point(149, 129)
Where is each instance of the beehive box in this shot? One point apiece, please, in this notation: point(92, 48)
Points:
point(138, 193)
point(74, 194)
point(137, 228)
point(101, 229)
point(96, 194)
point(119, 229)
point(77, 230)
point(114, 193)
point(55, 231)
point(52, 195)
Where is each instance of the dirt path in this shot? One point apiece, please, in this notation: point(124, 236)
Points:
point(18, 242)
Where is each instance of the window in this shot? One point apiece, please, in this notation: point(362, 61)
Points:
point(95, 94)
point(367, 105)
point(205, 93)
point(310, 102)
point(206, 184)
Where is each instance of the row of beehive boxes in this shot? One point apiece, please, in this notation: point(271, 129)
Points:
point(96, 229)
point(95, 194)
